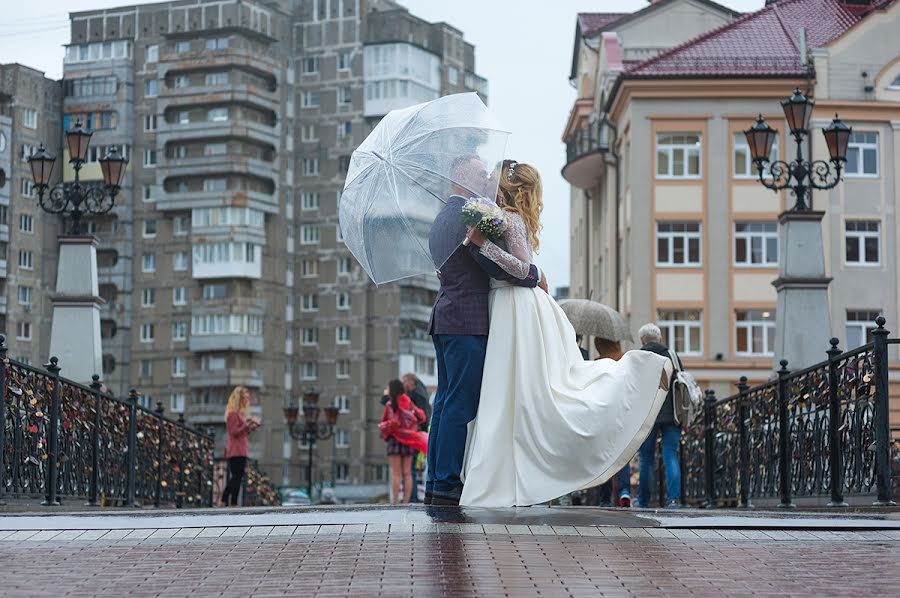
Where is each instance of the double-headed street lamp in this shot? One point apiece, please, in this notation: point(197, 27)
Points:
point(799, 175)
point(310, 429)
point(802, 316)
point(75, 199)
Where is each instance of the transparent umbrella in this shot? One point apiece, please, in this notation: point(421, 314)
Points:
point(401, 177)
point(596, 319)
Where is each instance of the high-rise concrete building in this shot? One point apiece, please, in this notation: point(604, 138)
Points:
point(223, 263)
point(30, 112)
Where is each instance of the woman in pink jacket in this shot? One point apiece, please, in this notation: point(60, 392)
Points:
point(238, 425)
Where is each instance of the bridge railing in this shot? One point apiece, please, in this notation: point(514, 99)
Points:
point(822, 431)
point(63, 440)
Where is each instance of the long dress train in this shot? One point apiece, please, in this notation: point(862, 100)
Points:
point(548, 422)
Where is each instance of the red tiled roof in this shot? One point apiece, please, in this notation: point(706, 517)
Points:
point(760, 43)
point(592, 22)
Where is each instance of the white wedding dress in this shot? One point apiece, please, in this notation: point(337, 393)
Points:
point(549, 422)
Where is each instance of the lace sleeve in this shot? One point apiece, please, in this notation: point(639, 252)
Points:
point(517, 261)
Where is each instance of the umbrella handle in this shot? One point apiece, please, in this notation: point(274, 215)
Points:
point(465, 242)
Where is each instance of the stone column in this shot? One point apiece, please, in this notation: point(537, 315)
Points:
point(75, 331)
point(802, 319)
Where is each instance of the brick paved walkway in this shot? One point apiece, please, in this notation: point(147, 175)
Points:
point(443, 559)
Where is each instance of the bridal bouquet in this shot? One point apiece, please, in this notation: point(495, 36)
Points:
point(486, 217)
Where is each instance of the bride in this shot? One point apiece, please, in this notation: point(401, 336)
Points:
point(548, 422)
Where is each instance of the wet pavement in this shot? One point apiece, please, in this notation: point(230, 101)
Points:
point(414, 551)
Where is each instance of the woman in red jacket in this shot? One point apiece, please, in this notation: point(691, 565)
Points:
point(400, 429)
point(238, 425)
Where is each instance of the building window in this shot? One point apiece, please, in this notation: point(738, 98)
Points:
point(345, 61)
point(181, 81)
point(309, 234)
point(452, 75)
point(180, 261)
point(342, 402)
point(149, 158)
point(310, 99)
point(744, 168)
point(217, 115)
point(309, 133)
point(310, 370)
point(309, 200)
point(146, 333)
point(24, 295)
point(345, 96)
point(310, 166)
point(310, 65)
point(309, 337)
point(863, 239)
point(341, 438)
point(213, 363)
point(756, 244)
point(342, 368)
point(147, 193)
point(26, 187)
point(344, 265)
point(176, 403)
point(179, 296)
point(151, 88)
point(184, 117)
point(26, 223)
point(215, 185)
point(179, 331)
point(341, 472)
point(345, 129)
point(148, 297)
point(23, 331)
point(181, 225)
point(217, 43)
point(179, 367)
point(682, 331)
point(343, 300)
point(152, 54)
point(215, 291)
point(215, 79)
point(26, 260)
point(342, 335)
point(149, 229)
point(215, 149)
point(862, 155)
point(29, 118)
point(309, 302)
point(146, 368)
point(309, 268)
point(150, 122)
point(148, 262)
point(678, 244)
point(677, 156)
point(860, 325)
point(343, 165)
point(755, 333)
point(426, 366)
point(182, 47)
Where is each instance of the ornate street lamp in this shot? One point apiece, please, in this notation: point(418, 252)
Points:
point(800, 175)
point(311, 429)
point(802, 283)
point(75, 199)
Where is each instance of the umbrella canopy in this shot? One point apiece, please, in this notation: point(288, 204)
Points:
point(402, 175)
point(595, 319)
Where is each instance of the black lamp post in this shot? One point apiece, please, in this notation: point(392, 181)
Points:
point(75, 199)
point(800, 175)
point(311, 429)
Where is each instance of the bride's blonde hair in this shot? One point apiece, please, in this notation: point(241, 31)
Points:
point(521, 192)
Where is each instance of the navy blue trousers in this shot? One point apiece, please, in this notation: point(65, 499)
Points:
point(460, 363)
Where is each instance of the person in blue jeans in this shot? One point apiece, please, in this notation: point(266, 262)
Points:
point(607, 349)
point(651, 340)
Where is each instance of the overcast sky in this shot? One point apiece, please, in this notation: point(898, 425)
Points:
point(523, 48)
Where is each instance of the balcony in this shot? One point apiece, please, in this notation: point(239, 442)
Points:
point(415, 311)
point(258, 200)
point(218, 165)
point(253, 61)
point(202, 130)
point(226, 378)
point(586, 150)
point(226, 342)
point(200, 95)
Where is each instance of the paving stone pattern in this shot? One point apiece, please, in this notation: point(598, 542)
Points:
point(395, 560)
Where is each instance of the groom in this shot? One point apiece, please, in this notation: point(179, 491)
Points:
point(459, 329)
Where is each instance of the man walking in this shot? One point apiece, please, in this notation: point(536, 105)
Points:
point(651, 340)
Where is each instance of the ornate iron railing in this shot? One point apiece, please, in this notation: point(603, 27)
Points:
point(816, 432)
point(256, 489)
point(60, 439)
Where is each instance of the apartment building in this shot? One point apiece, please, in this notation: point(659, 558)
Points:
point(30, 112)
point(224, 264)
point(669, 222)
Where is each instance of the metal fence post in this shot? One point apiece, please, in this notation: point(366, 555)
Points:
point(179, 492)
point(784, 439)
point(835, 449)
point(3, 350)
point(157, 494)
point(131, 457)
point(882, 416)
point(744, 443)
point(709, 433)
point(95, 444)
point(52, 499)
